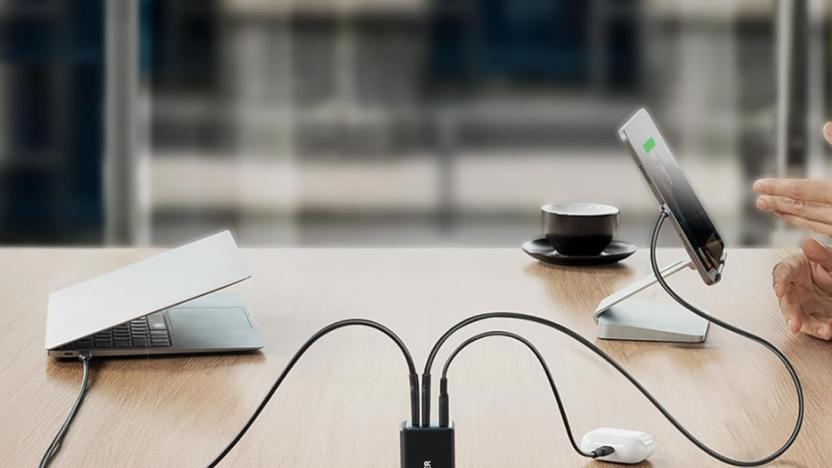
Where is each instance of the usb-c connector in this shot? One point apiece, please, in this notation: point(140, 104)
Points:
point(602, 451)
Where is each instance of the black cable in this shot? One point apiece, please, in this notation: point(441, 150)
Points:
point(444, 420)
point(55, 445)
point(413, 376)
point(516, 316)
point(745, 334)
point(599, 352)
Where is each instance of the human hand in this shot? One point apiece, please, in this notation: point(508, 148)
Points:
point(803, 285)
point(806, 204)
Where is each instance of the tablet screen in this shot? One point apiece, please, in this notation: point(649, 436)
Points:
point(672, 188)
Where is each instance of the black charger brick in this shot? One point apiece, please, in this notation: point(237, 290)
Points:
point(427, 447)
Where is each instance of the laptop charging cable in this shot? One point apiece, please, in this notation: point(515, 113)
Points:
point(55, 445)
point(413, 382)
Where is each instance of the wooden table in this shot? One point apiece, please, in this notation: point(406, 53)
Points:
point(342, 405)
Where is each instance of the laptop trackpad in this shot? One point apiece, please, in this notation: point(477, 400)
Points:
point(211, 327)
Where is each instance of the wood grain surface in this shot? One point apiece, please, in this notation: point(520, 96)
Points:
point(342, 405)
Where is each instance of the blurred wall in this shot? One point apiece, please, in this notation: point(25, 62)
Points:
point(51, 127)
point(419, 122)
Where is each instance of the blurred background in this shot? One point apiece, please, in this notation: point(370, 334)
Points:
point(393, 122)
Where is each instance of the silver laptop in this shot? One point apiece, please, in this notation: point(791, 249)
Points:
point(166, 304)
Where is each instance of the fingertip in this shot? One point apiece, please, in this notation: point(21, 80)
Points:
point(762, 204)
point(827, 131)
point(819, 332)
point(795, 325)
point(809, 241)
point(779, 289)
point(780, 279)
point(814, 250)
point(759, 185)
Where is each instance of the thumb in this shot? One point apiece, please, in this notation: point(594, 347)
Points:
point(827, 131)
point(818, 253)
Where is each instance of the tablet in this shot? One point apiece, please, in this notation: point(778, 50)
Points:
point(665, 178)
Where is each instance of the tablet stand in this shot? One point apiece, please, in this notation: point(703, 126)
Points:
point(620, 318)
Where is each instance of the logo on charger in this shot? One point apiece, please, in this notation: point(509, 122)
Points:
point(426, 464)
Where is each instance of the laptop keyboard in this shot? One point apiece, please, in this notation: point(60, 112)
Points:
point(149, 331)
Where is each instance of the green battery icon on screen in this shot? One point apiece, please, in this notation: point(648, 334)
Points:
point(649, 144)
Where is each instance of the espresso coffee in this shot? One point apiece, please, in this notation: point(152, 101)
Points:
point(579, 228)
